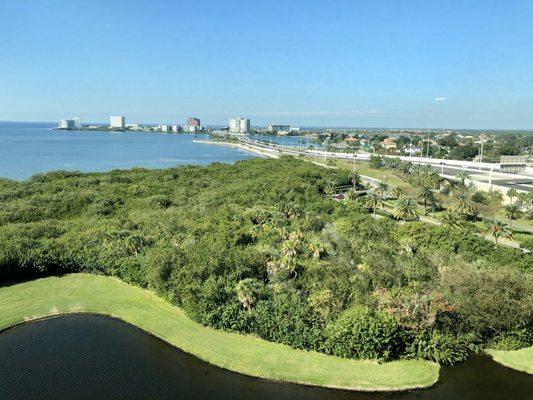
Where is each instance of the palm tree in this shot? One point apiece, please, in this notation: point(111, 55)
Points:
point(497, 230)
point(406, 209)
point(382, 189)
point(426, 196)
point(463, 176)
point(462, 205)
point(374, 201)
point(452, 220)
point(247, 291)
point(512, 212)
point(350, 195)
point(512, 194)
point(355, 178)
point(397, 192)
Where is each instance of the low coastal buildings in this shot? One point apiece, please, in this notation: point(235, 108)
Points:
point(117, 121)
point(239, 125)
point(169, 128)
point(278, 127)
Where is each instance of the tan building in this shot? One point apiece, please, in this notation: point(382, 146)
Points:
point(193, 121)
point(388, 144)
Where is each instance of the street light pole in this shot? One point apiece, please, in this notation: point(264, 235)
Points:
point(481, 155)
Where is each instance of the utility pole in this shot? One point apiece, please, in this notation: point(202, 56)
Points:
point(427, 146)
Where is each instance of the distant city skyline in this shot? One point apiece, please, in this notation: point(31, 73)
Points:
point(412, 64)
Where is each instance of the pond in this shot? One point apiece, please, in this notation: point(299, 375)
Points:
point(95, 357)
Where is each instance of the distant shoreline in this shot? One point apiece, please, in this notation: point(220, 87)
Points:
point(125, 130)
point(241, 146)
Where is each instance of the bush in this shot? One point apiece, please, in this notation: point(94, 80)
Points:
point(160, 201)
point(513, 340)
point(288, 319)
point(441, 347)
point(527, 244)
point(481, 197)
point(363, 333)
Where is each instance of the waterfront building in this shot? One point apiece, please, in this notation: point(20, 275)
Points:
point(134, 127)
point(193, 125)
point(169, 128)
point(66, 124)
point(77, 123)
point(239, 125)
point(278, 127)
point(192, 128)
point(117, 121)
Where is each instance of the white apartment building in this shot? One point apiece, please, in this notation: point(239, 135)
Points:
point(66, 124)
point(117, 121)
point(169, 128)
point(239, 125)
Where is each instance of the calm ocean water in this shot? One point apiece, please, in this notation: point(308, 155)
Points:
point(30, 148)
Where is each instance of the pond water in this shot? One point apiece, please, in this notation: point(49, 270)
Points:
point(95, 357)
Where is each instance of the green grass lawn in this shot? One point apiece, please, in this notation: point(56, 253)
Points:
point(381, 174)
point(521, 360)
point(240, 353)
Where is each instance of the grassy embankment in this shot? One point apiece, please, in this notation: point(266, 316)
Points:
point(521, 360)
point(240, 353)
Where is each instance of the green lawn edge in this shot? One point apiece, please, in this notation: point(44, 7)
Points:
point(520, 360)
point(245, 354)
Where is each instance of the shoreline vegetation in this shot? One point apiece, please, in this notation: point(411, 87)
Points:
point(264, 248)
point(245, 354)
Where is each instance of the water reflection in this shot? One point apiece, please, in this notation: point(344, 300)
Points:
point(94, 357)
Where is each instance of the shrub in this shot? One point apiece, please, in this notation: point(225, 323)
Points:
point(441, 347)
point(513, 340)
point(363, 333)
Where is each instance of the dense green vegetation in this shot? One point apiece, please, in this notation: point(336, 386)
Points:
point(259, 247)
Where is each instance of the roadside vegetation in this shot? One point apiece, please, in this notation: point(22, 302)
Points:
point(262, 247)
point(455, 204)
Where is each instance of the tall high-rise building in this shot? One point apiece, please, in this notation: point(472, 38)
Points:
point(193, 121)
point(239, 125)
point(66, 124)
point(117, 121)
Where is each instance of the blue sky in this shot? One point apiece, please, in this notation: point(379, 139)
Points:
point(309, 63)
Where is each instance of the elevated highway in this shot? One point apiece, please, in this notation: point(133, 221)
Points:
point(486, 174)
